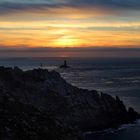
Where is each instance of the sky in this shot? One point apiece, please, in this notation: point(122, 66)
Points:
point(69, 23)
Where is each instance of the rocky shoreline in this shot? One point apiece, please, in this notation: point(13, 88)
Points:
point(40, 105)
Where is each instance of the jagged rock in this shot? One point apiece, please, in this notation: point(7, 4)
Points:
point(24, 122)
point(72, 110)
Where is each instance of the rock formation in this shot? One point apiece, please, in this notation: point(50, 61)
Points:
point(64, 66)
point(38, 104)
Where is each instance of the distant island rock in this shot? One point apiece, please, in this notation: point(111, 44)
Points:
point(64, 66)
point(41, 105)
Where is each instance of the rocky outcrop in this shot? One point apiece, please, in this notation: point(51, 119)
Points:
point(24, 122)
point(42, 105)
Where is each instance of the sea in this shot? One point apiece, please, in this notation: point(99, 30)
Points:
point(114, 76)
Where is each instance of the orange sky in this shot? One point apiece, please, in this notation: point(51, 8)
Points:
point(70, 27)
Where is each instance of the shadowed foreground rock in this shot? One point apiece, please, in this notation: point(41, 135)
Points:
point(40, 105)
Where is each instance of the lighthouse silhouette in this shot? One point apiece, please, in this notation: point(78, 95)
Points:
point(65, 65)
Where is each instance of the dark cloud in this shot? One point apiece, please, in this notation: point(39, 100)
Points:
point(119, 4)
point(73, 49)
point(70, 52)
point(15, 6)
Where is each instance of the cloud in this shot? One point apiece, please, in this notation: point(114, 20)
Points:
point(118, 4)
point(72, 49)
point(7, 8)
point(13, 6)
point(70, 52)
point(61, 11)
point(59, 22)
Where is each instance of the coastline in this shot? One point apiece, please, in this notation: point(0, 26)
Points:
point(114, 130)
point(115, 133)
point(75, 110)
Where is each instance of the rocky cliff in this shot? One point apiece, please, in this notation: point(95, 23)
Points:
point(39, 104)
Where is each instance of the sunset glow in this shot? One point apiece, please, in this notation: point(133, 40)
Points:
point(60, 24)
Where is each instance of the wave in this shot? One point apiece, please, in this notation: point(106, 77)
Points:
point(114, 130)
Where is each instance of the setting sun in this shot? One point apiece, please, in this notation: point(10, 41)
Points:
point(67, 41)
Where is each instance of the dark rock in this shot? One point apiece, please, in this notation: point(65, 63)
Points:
point(24, 122)
point(64, 66)
point(133, 114)
point(41, 105)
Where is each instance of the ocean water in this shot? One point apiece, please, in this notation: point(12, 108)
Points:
point(115, 76)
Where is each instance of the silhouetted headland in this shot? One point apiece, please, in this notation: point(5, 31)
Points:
point(39, 104)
